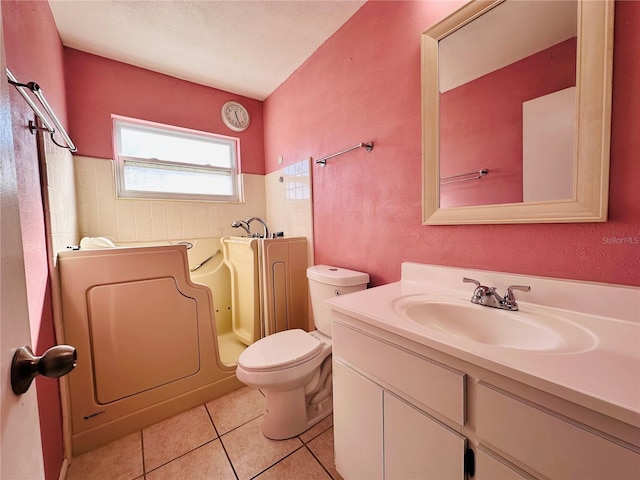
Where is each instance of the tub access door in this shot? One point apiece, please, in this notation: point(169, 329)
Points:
point(284, 284)
point(241, 256)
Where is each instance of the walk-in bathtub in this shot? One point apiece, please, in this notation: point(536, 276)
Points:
point(146, 333)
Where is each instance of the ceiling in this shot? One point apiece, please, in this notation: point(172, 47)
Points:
point(244, 47)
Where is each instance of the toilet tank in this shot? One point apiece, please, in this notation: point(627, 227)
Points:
point(325, 282)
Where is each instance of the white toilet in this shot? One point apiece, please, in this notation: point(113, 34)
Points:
point(293, 367)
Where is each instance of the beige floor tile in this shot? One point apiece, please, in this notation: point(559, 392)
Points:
point(176, 436)
point(121, 460)
point(236, 408)
point(317, 429)
point(300, 465)
point(251, 452)
point(322, 448)
point(206, 462)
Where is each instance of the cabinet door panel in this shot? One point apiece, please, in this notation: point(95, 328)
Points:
point(489, 467)
point(418, 447)
point(357, 414)
point(440, 388)
point(549, 444)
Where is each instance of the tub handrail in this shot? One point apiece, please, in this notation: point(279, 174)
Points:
point(205, 261)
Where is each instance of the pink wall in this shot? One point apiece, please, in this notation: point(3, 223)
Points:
point(481, 125)
point(34, 53)
point(364, 84)
point(99, 87)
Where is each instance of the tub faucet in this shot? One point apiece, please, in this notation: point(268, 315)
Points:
point(488, 296)
point(264, 226)
point(242, 224)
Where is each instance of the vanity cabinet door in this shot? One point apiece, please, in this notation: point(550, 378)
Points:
point(490, 467)
point(418, 446)
point(357, 424)
point(548, 443)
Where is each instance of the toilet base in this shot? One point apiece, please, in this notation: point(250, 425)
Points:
point(287, 415)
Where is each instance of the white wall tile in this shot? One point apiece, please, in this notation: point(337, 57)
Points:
point(188, 220)
point(143, 222)
point(202, 221)
point(61, 197)
point(102, 214)
point(214, 213)
point(108, 227)
point(288, 202)
point(84, 164)
point(85, 178)
point(174, 220)
point(159, 222)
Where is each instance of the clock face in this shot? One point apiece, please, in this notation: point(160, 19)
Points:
point(235, 116)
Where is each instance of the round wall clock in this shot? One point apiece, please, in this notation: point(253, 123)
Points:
point(235, 116)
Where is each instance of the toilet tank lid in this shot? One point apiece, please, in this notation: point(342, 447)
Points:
point(336, 276)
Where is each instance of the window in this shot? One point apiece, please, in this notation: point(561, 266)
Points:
point(165, 162)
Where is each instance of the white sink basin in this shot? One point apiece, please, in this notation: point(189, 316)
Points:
point(526, 329)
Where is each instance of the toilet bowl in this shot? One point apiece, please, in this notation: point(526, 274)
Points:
point(293, 367)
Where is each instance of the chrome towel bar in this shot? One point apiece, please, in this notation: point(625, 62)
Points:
point(464, 177)
point(323, 161)
point(46, 122)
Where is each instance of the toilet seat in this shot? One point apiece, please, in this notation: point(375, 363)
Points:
point(283, 349)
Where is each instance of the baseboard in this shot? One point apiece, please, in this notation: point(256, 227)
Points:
point(63, 469)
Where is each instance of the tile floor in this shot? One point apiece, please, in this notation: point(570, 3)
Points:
point(219, 440)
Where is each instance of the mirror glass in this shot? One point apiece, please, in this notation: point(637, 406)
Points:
point(507, 101)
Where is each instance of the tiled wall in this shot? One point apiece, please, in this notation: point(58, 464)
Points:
point(61, 198)
point(289, 204)
point(127, 220)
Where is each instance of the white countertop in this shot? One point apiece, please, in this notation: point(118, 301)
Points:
point(604, 377)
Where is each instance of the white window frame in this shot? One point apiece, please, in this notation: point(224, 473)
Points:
point(185, 133)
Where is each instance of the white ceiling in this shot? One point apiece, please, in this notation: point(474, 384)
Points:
point(245, 47)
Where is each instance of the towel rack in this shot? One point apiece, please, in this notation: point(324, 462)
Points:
point(323, 161)
point(464, 177)
point(47, 125)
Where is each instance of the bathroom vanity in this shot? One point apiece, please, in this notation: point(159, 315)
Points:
point(428, 385)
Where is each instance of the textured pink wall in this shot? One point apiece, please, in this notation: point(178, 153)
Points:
point(481, 125)
point(99, 87)
point(34, 53)
point(364, 84)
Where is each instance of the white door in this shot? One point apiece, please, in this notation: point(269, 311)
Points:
point(21, 456)
point(548, 134)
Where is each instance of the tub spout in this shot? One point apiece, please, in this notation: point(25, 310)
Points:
point(264, 226)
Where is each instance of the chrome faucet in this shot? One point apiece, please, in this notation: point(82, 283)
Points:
point(488, 296)
point(264, 226)
point(242, 224)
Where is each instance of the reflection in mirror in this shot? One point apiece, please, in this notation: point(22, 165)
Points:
point(486, 100)
point(520, 91)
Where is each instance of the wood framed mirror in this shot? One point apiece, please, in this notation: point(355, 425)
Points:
point(520, 179)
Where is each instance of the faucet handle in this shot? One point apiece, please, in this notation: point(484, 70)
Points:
point(510, 298)
point(470, 280)
point(480, 289)
point(479, 292)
